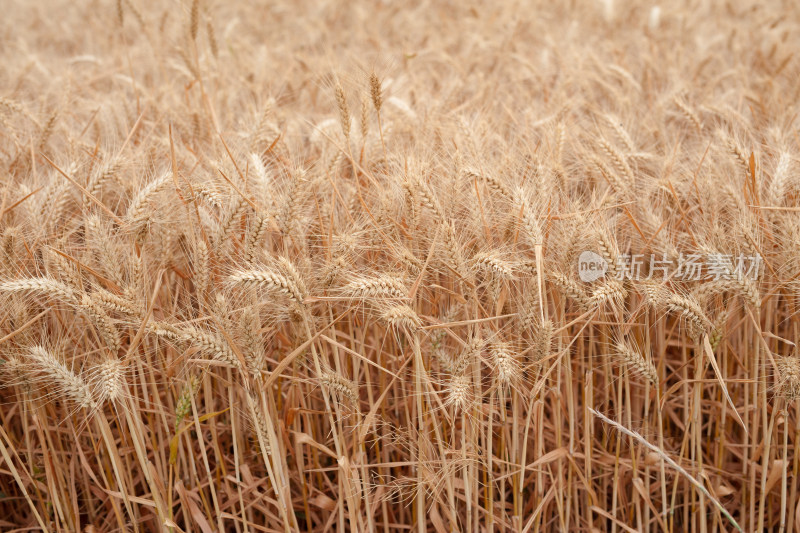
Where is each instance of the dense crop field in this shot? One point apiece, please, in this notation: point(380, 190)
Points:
point(387, 266)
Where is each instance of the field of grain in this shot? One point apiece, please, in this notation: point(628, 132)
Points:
point(440, 266)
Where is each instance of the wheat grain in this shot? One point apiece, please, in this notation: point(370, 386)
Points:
point(259, 422)
point(618, 159)
point(398, 333)
point(612, 292)
point(375, 91)
point(194, 19)
point(690, 115)
point(494, 183)
point(137, 210)
point(493, 262)
point(542, 340)
point(102, 321)
point(255, 234)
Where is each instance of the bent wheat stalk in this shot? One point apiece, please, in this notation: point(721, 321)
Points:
point(666, 458)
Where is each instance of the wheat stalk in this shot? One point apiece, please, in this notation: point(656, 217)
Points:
point(663, 455)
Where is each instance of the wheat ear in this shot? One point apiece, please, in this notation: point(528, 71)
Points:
point(44, 286)
point(342, 387)
point(108, 379)
point(506, 362)
point(137, 210)
point(788, 386)
point(183, 406)
point(210, 344)
point(402, 317)
point(638, 362)
point(269, 280)
point(689, 309)
point(572, 290)
point(67, 381)
point(384, 286)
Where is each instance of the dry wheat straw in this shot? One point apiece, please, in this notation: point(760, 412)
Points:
point(662, 454)
point(173, 226)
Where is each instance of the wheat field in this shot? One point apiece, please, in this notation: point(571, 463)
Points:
point(383, 266)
